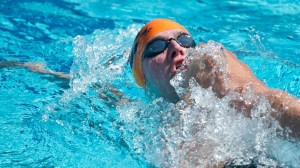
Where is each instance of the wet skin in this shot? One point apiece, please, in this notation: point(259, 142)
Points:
point(159, 70)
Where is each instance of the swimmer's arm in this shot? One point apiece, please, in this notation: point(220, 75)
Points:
point(40, 68)
point(112, 96)
point(286, 108)
point(34, 67)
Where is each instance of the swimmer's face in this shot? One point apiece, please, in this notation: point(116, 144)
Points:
point(160, 68)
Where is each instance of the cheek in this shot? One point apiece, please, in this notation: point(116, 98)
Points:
point(158, 62)
point(152, 69)
point(155, 67)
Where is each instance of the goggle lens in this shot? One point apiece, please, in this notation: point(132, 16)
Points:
point(158, 46)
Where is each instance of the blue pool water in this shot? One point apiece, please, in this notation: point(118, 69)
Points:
point(49, 122)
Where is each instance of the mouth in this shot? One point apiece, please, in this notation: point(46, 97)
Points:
point(178, 67)
point(181, 66)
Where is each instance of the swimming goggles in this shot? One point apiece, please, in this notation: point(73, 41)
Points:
point(156, 47)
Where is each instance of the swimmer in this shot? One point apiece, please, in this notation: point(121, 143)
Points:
point(159, 51)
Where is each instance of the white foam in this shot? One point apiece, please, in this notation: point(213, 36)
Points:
point(101, 56)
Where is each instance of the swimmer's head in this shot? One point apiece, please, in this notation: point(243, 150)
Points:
point(142, 39)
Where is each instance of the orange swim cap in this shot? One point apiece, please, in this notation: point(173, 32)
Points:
point(143, 37)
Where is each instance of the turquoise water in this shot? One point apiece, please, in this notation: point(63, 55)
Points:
point(49, 122)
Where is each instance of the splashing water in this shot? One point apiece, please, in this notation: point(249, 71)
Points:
point(101, 57)
point(208, 131)
point(86, 113)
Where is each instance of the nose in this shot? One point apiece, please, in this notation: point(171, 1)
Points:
point(175, 49)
